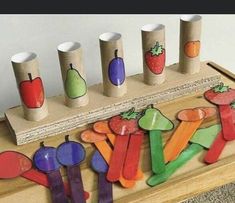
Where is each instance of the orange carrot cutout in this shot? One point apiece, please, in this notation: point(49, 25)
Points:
point(102, 127)
point(191, 120)
point(90, 136)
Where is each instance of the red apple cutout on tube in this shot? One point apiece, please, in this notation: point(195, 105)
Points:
point(31, 92)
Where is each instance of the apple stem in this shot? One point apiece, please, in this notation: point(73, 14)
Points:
point(116, 53)
point(71, 65)
point(30, 77)
point(67, 138)
point(150, 106)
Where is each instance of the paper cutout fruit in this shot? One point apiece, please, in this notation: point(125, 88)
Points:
point(105, 190)
point(223, 96)
point(75, 86)
point(45, 160)
point(155, 122)
point(31, 92)
point(203, 138)
point(122, 125)
point(116, 70)
point(70, 154)
point(155, 59)
point(192, 48)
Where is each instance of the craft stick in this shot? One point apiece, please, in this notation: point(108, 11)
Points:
point(174, 165)
point(130, 169)
point(215, 150)
point(118, 157)
point(180, 139)
point(103, 128)
point(105, 192)
point(73, 74)
point(190, 35)
point(30, 86)
point(154, 53)
point(106, 151)
point(113, 68)
point(226, 119)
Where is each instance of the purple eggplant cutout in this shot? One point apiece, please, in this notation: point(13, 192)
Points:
point(45, 160)
point(116, 71)
point(104, 186)
point(71, 154)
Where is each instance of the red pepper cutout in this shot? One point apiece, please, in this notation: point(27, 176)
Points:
point(218, 145)
point(223, 96)
point(123, 125)
point(133, 155)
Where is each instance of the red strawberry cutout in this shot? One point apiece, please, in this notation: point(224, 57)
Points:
point(155, 59)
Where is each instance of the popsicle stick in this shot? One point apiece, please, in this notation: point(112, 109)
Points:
point(180, 139)
point(106, 152)
point(173, 166)
point(216, 149)
point(156, 149)
point(130, 168)
point(118, 157)
point(76, 186)
point(57, 192)
point(226, 119)
point(139, 174)
point(105, 189)
point(41, 179)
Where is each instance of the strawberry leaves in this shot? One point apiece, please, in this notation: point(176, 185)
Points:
point(130, 114)
point(157, 50)
point(221, 88)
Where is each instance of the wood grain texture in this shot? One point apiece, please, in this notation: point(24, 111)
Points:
point(62, 119)
point(183, 184)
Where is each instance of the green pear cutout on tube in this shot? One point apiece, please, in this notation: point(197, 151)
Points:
point(75, 85)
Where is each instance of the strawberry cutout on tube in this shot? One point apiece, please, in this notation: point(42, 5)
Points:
point(223, 96)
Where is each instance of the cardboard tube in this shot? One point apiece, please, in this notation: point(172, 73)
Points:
point(30, 86)
point(154, 53)
point(74, 79)
point(190, 34)
point(113, 69)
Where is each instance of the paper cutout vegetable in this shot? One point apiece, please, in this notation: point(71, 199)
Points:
point(223, 96)
point(155, 58)
point(89, 136)
point(192, 48)
point(191, 119)
point(75, 85)
point(219, 143)
point(45, 160)
point(116, 71)
point(122, 125)
point(11, 167)
point(155, 122)
point(102, 127)
point(105, 190)
point(31, 92)
point(71, 154)
point(203, 138)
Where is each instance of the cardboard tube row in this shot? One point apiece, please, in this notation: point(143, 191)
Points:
point(30, 86)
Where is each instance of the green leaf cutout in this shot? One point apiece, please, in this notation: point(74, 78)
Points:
point(221, 88)
point(157, 50)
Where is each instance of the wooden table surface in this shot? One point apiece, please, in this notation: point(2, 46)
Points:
point(194, 178)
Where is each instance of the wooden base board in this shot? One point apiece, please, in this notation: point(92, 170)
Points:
point(139, 95)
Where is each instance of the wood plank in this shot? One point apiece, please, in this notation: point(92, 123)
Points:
point(195, 177)
point(62, 119)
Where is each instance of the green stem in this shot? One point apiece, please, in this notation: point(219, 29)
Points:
point(156, 148)
point(173, 166)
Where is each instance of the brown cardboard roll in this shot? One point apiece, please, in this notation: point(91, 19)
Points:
point(154, 53)
point(74, 78)
point(190, 35)
point(113, 68)
point(30, 86)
